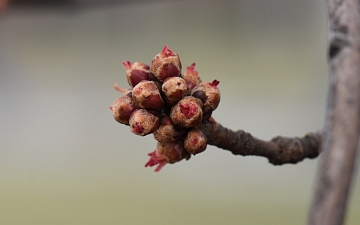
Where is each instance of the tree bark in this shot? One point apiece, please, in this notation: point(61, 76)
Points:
point(341, 131)
point(279, 150)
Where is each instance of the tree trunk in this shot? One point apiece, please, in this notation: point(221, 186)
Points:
point(341, 131)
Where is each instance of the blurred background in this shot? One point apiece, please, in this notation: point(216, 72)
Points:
point(65, 160)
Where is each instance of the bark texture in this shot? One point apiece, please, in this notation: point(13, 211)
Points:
point(279, 150)
point(341, 131)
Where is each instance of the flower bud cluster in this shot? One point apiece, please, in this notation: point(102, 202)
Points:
point(169, 104)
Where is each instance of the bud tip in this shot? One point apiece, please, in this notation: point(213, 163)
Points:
point(167, 51)
point(215, 83)
point(156, 159)
point(138, 128)
point(191, 67)
point(188, 110)
point(127, 64)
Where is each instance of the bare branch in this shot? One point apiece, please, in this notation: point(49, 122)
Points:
point(279, 150)
point(342, 124)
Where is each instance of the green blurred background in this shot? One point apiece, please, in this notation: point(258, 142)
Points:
point(64, 159)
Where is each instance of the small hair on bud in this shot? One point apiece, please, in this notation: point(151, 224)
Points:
point(119, 89)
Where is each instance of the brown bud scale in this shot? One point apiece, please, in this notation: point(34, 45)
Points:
point(143, 122)
point(195, 141)
point(173, 151)
point(165, 64)
point(187, 112)
point(136, 72)
point(167, 132)
point(122, 108)
point(174, 89)
point(209, 94)
point(147, 95)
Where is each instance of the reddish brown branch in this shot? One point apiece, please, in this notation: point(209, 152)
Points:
point(279, 150)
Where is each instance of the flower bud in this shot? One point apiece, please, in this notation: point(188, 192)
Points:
point(167, 152)
point(167, 132)
point(147, 95)
point(122, 108)
point(174, 89)
point(209, 95)
point(195, 141)
point(136, 72)
point(191, 77)
point(166, 64)
point(187, 112)
point(143, 122)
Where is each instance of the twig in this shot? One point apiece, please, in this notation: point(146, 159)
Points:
point(279, 150)
point(341, 137)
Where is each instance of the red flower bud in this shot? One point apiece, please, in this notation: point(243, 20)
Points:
point(191, 77)
point(136, 72)
point(174, 89)
point(168, 104)
point(167, 132)
point(166, 64)
point(167, 152)
point(143, 122)
point(122, 108)
point(187, 112)
point(209, 95)
point(147, 95)
point(195, 141)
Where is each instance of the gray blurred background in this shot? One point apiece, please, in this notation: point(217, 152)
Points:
point(64, 159)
